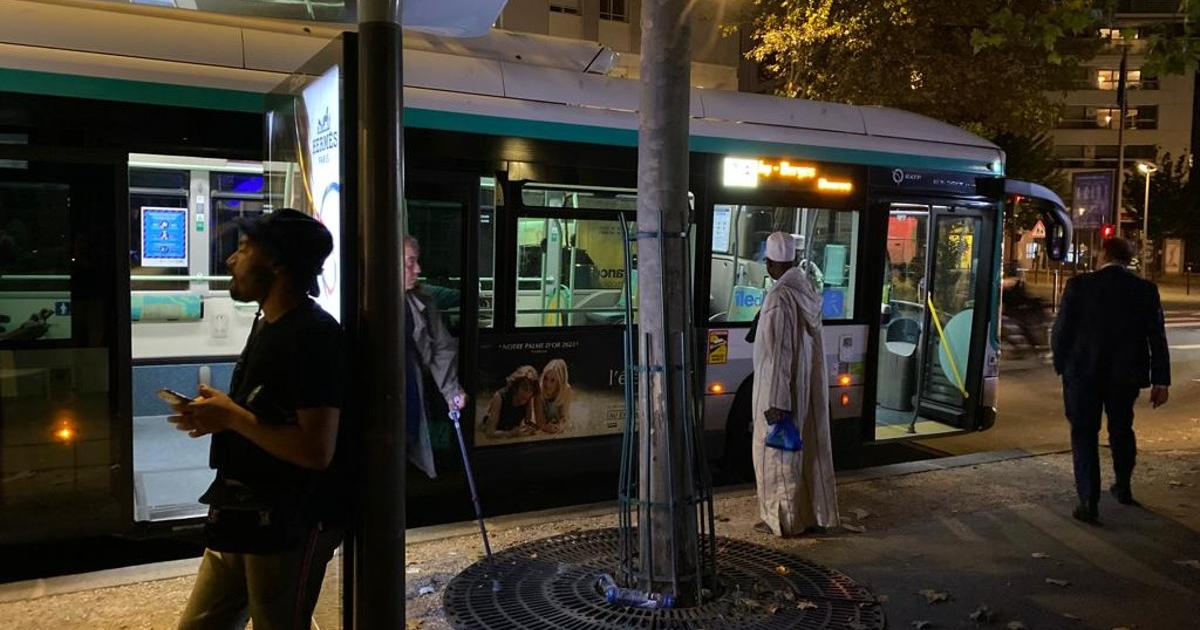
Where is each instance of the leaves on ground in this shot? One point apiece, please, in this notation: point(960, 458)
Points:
point(1015, 625)
point(1057, 582)
point(1040, 556)
point(412, 570)
point(860, 513)
point(921, 624)
point(1194, 564)
point(933, 597)
point(857, 529)
point(804, 604)
point(426, 590)
point(783, 570)
point(983, 614)
point(413, 624)
point(722, 519)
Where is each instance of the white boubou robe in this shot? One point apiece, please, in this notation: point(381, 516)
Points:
point(796, 490)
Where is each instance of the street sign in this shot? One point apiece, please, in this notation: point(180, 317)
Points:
point(1091, 198)
point(1039, 230)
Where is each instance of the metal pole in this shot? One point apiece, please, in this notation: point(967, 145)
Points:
point(1147, 254)
point(378, 569)
point(667, 532)
point(1121, 100)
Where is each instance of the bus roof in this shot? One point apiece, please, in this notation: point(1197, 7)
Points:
point(505, 83)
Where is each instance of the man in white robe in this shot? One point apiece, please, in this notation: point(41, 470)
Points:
point(796, 489)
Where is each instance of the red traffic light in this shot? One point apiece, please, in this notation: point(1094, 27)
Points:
point(1108, 231)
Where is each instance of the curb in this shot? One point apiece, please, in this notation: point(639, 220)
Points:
point(110, 578)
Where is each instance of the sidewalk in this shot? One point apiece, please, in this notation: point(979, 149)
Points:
point(985, 530)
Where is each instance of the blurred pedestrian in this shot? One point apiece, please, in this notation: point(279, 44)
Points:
point(1109, 342)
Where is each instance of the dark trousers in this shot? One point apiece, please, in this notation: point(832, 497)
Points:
point(1084, 404)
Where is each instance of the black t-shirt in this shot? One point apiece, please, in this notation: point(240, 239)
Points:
point(297, 362)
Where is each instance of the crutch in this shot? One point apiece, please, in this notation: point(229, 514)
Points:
point(487, 546)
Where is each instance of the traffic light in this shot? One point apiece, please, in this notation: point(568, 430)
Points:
point(1107, 231)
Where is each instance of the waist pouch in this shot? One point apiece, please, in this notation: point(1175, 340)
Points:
point(243, 519)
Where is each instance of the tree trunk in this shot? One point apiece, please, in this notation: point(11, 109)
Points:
point(667, 529)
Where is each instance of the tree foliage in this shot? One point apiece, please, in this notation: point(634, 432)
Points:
point(1030, 159)
point(1174, 47)
point(991, 66)
point(1174, 199)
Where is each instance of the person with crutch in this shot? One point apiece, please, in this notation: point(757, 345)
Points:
point(427, 346)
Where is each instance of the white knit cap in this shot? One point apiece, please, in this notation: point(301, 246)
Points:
point(781, 247)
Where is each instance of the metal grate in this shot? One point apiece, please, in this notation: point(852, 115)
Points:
point(551, 583)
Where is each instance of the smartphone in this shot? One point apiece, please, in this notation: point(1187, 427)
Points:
point(172, 397)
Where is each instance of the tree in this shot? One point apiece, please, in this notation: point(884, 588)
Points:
point(1174, 47)
point(991, 67)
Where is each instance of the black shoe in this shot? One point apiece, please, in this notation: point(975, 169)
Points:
point(1124, 495)
point(1087, 514)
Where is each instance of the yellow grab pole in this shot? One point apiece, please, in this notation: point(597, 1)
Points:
point(937, 322)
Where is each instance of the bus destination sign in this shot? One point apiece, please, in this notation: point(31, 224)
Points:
point(753, 173)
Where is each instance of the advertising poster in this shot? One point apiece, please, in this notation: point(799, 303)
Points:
point(544, 386)
point(1091, 198)
point(164, 237)
point(322, 100)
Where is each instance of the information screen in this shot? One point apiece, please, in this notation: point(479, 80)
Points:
point(164, 237)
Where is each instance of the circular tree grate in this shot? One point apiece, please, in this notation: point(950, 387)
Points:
point(551, 583)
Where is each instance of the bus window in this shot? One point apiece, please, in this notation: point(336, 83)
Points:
point(234, 196)
point(826, 244)
point(437, 226)
point(158, 203)
point(489, 198)
point(570, 272)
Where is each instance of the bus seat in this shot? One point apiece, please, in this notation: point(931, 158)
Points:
point(599, 298)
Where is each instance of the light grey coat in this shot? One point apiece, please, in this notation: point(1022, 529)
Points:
point(438, 351)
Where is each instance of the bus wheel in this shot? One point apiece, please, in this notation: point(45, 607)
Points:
point(736, 463)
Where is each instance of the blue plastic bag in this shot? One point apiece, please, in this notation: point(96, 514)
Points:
point(784, 435)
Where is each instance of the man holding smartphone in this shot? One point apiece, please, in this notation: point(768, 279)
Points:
point(275, 512)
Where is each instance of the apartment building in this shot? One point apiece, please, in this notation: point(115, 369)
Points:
point(1160, 112)
point(615, 23)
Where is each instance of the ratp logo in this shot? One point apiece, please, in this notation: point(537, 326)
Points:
point(898, 176)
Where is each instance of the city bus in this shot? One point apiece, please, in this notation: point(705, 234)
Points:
point(122, 164)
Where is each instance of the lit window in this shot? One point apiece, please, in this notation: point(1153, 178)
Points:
point(1108, 79)
point(1114, 34)
point(565, 6)
point(613, 10)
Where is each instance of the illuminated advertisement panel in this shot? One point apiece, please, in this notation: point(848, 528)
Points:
point(304, 160)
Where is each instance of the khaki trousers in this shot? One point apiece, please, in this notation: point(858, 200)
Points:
point(278, 591)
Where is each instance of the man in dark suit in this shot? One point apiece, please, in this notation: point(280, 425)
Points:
point(1109, 342)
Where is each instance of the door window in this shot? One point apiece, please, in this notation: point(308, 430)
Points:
point(951, 302)
point(58, 441)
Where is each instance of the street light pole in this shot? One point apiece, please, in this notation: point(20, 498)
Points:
point(1146, 169)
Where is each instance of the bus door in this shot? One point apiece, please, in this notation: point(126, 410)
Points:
point(930, 339)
